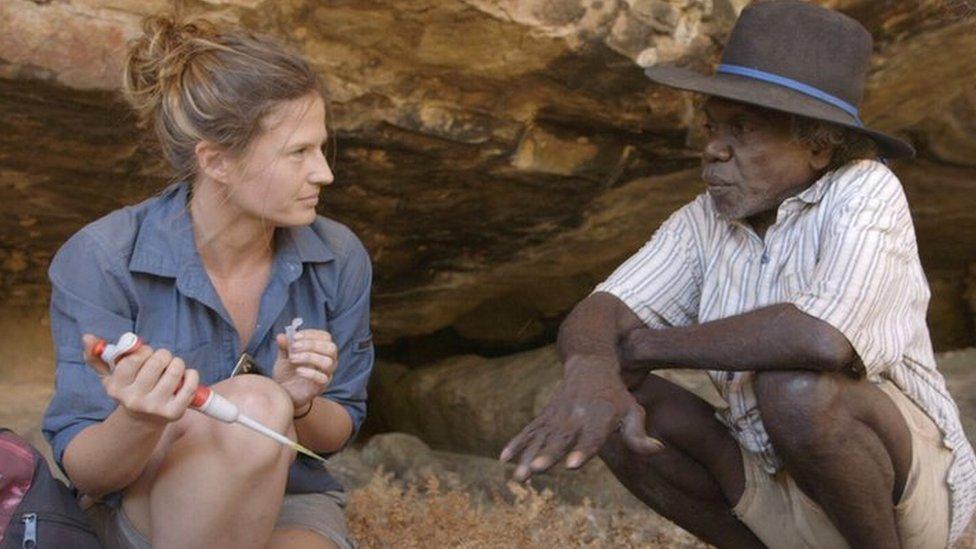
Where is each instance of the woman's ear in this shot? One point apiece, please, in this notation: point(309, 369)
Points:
point(213, 161)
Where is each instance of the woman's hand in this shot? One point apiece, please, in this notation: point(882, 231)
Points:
point(146, 383)
point(305, 369)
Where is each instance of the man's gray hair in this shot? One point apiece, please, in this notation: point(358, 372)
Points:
point(848, 144)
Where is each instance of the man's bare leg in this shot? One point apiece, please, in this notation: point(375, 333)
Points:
point(845, 444)
point(214, 484)
point(697, 479)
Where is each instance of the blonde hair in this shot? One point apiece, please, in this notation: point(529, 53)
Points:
point(194, 83)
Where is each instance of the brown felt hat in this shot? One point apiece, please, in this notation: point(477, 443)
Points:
point(795, 57)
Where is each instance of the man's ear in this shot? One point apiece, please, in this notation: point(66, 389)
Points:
point(213, 161)
point(820, 157)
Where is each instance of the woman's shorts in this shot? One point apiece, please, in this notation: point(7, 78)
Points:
point(323, 513)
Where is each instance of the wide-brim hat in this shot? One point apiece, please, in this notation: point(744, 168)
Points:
point(794, 57)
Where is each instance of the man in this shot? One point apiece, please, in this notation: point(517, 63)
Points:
point(795, 282)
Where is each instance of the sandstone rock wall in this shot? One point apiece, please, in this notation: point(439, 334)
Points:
point(498, 157)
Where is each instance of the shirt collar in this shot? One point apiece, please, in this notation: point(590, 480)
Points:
point(304, 244)
point(815, 193)
point(165, 244)
point(809, 196)
point(165, 236)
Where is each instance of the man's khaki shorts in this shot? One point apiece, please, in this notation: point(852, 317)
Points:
point(781, 515)
point(321, 513)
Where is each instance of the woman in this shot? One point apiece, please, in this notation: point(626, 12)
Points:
point(214, 267)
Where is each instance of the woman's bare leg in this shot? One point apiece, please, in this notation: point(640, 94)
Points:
point(212, 484)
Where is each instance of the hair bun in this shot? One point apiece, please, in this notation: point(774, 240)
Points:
point(158, 58)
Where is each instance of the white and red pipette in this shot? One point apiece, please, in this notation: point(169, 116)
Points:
point(205, 399)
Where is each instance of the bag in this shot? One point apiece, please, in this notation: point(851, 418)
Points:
point(36, 509)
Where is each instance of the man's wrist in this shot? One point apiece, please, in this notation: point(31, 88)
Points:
point(640, 347)
point(585, 363)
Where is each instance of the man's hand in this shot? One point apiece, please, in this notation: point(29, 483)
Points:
point(589, 406)
point(305, 369)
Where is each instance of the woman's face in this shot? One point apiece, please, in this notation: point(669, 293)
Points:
point(279, 178)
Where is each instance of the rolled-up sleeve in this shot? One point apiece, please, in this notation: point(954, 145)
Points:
point(86, 297)
point(867, 283)
point(661, 283)
point(349, 325)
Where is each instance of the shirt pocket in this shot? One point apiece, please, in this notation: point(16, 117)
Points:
point(791, 285)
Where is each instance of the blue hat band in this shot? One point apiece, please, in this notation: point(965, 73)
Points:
point(793, 85)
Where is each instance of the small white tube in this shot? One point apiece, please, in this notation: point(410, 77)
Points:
point(220, 408)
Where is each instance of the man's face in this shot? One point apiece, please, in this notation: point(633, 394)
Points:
point(751, 162)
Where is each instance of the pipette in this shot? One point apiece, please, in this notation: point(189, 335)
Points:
point(205, 399)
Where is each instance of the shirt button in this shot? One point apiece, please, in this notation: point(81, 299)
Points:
point(730, 376)
point(764, 259)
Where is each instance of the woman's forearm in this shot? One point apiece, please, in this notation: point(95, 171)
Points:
point(326, 428)
point(110, 455)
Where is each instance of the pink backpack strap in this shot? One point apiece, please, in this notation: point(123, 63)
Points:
point(17, 465)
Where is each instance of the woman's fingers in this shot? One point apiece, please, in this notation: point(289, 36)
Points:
point(170, 380)
point(127, 368)
point(315, 348)
point(322, 363)
point(151, 370)
point(310, 334)
point(88, 342)
point(181, 400)
point(313, 375)
point(282, 341)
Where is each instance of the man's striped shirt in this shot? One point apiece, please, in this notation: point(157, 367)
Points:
point(843, 251)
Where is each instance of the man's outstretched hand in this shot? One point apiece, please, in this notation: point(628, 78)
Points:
point(589, 406)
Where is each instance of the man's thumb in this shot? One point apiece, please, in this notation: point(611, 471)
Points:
point(634, 435)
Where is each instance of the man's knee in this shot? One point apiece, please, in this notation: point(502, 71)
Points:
point(614, 453)
point(798, 408)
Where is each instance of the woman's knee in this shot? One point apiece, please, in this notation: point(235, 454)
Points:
point(260, 398)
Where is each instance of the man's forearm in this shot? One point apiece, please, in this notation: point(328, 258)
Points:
point(594, 328)
point(778, 337)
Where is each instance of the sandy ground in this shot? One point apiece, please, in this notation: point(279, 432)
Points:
point(26, 383)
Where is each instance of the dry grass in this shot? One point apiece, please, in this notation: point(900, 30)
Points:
point(386, 513)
